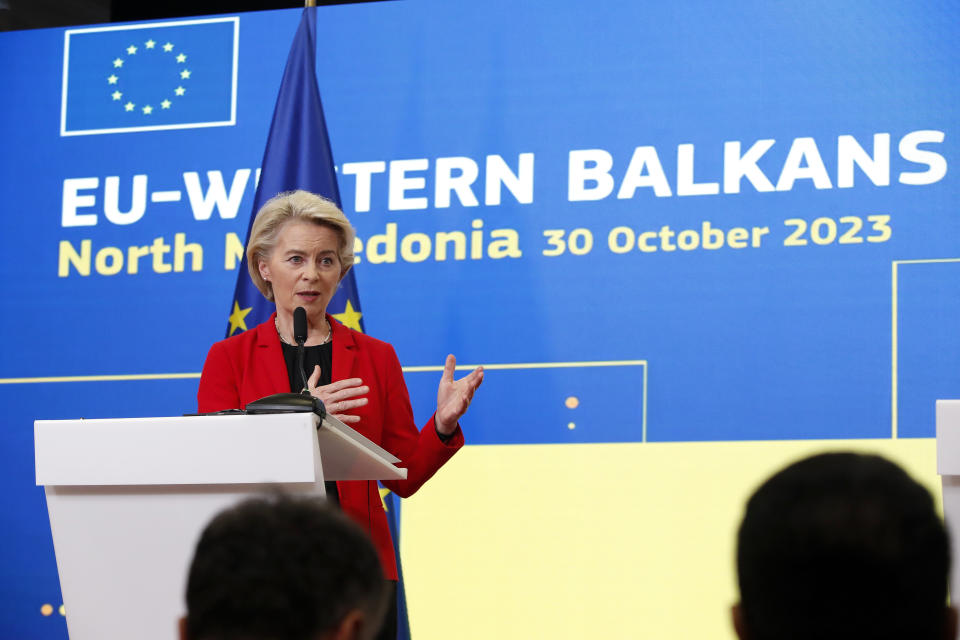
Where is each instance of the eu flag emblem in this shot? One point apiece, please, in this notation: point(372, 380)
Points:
point(147, 77)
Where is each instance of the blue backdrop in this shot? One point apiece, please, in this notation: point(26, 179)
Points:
point(747, 213)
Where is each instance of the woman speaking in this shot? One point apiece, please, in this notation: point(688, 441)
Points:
point(300, 248)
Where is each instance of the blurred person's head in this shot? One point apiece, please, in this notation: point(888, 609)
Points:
point(283, 568)
point(843, 546)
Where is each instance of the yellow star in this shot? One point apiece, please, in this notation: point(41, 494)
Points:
point(179, 91)
point(383, 494)
point(165, 104)
point(112, 79)
point(116, 95)
point(129, 106)
point(236, 318)
point(185, 74)
point(148, 109)
point(349, 317)
point(182, 58)
point(131, 50)
point(168, 47)
point(150, 44)
point(118, 63)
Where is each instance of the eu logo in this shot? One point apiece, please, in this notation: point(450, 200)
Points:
point(147, 77)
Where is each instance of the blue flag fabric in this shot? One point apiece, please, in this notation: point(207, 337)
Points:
point(298, 156)
point(168, 75)
point(392, 504)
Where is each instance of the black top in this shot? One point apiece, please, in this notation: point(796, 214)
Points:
point(321, 354)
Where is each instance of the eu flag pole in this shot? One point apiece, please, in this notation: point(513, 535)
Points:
point(298, 156)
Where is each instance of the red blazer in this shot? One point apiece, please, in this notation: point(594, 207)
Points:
point(250, 365)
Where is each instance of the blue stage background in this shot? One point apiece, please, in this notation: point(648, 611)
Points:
point(846, 335)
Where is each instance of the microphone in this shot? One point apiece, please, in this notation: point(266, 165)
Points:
point(300, 325)
point(300, 336)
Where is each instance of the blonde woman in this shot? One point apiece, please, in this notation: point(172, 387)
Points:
point(300, 248)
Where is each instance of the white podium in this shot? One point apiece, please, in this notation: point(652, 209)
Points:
point(128, 499)
point(948, 466)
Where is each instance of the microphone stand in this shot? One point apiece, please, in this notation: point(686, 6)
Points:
point(303, 374)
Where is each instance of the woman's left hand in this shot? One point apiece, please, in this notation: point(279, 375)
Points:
point(454, 396)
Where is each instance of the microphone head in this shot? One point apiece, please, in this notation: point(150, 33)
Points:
point(300, 325)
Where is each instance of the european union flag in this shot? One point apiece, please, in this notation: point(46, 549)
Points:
point(143, 77)
point(297, 156)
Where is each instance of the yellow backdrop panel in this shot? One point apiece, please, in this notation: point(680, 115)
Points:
point(594, 541)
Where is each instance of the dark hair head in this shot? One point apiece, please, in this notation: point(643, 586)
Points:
point(842, 545)
point(281, 568)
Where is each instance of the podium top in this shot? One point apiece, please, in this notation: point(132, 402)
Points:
point(205, 450)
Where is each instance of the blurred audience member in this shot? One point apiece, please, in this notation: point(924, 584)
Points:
point(843, 546)
point(283, 568)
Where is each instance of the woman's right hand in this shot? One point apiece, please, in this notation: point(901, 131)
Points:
point(339, 396)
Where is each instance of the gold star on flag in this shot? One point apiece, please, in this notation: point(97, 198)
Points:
point(129, 106)
point(112, 79)
point(168, 47)
point(116, 95)
point(131, 50)
point(383, 494)
point(349, 317)
point(165, 104)
point(185, 74)
point(148, 109)
point(179, 91)
point(182, 58)
point(236, 318)
point(118, 63)
point(150, 44)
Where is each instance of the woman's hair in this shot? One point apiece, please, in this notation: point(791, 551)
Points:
point(295, 205)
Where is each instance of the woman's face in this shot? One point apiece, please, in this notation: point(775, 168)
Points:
point(304, 268)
